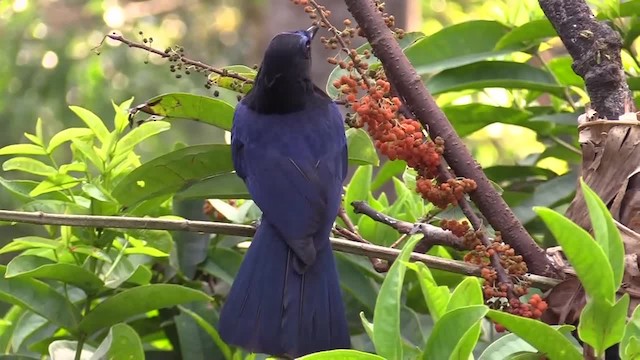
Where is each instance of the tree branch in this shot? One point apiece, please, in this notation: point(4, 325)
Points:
point(595, 48)
point(409, 85)
point(342, 245)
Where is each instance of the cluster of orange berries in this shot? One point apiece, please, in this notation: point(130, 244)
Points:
point(532, 309)
point(458, 228)
point(442, 194)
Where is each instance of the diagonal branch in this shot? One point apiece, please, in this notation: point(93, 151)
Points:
point(409, 85)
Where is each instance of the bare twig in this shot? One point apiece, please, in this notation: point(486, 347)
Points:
point(433, 235)
point(352, 233)
point(182, 58)
point(347, 246)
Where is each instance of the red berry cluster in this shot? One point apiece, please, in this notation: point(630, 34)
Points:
point(458, 228)
point(532, 309)
point(443, 194)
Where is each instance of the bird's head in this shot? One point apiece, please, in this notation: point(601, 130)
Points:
point(288, 56)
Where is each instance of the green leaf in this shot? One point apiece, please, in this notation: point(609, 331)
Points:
point(213, 333)
point(605, 232)
point(602, 323)
point(388, 170)
point(368, 326)
point(223, 263)
point(355, 281)
point(189, 106)
point(89, 152)
point(22, 149)
point(485, 74)
point(29, 266)
point(122, 342)
point(172, 172)
point(29, 165)
point(467, 119)
point(458, 45)
point(358, 190)
point(342, 355)
point(223, 186)
point(139, 134)
point(527, 34)
point(121, 119)
point(93, 122)
point(511, 344)
point(583, 253)
point(386, 316)
point(561, 68)
point(361, 149)
point(467, 293)
point(226, 82)
point(629, 348)
point(137, 300)
point(40, 298)
point(455, 335)
point(547, 193)
point(540, 335)
point(55, 183)
point(436, 297)
point(30, 242)
point(67, 135)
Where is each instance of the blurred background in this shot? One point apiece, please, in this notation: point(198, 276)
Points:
point(47, 60)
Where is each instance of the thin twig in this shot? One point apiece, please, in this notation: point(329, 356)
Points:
point(182, 58)
point(351, 233)
point(342, 245)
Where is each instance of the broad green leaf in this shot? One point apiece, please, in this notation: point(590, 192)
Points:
point(89, 152)
point(356, 282)
point(75, 166)
point(467, 293)
point(436, 297)
point(368, 326)
point(34, 139)
point(139, 134)
point(540, 335)
point(40, 298)
point(189, 106)
point(55, 183)
point(458, 45)
point(93, 122)
point(9, 324)
point(30, 242)
point(342, 355)
point(29, 266)
point(172, 172)
point(388, 170)
point(223, 186)
point(527, 34)
point(27, 328)
point(18, 357)
point(358, 189)
point(583, 253)
point(456, 334)
point(629, 346)
point(223, 263)
point(122, 342)
point(67, 135)
point(602, 323)
point(372, 61)
point(561, 68)
point(123, 271)
point(546, 194)
point(29, 165)
point(467, 119)
point(485, 74)
point(605, 232)
point(22, 149)
point(213, 333)
point(361, 149)
point(137, 300)
point(57, 206)
point(386, 317)
point(511, 344)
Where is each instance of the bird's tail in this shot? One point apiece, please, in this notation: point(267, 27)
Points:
point(274, 310)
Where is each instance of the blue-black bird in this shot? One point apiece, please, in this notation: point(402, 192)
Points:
point(288, 145)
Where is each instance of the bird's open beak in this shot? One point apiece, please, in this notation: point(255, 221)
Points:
point(312, 31)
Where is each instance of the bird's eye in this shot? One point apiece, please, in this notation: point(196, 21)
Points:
point(307, 45)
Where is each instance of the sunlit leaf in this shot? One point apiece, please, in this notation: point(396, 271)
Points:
point(361, 149)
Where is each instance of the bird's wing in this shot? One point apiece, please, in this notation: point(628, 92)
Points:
point(297, 185)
